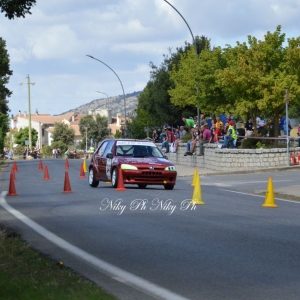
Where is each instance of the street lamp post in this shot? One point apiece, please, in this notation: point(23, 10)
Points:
point(106, 98)
point(118, 78)
point(195, 47)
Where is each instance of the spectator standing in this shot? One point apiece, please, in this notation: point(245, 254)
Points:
point(92, 150)
point(189, 123)
point(163, 135)
point(281, 125)
point(54, 153)
point(205, 138)
point(229, 119)
point(287, 126)
point(155, 137)
point(260, 124)
point(202, 120)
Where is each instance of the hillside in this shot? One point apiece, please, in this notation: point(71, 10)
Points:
point(115, 103)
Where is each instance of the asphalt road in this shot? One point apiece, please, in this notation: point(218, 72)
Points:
point(147, 244)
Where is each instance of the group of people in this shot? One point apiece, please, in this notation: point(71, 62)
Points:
point(224, 134)
point(8, 154)
point(218, 132)
point(56, 153)
point(31, 153)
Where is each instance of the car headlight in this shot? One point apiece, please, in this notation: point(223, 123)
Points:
point(170, 168)
point(128, 167)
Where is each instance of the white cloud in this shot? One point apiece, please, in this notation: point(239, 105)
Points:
point(52, 43)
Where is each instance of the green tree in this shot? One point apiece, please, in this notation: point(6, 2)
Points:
point(258, 75)
point(191, 73)
point(5, 93)
point(23, 134)
point(155, 99)
point(16, 8)
point(97, 128)
point(62, 132)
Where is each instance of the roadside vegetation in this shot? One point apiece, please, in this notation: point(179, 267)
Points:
point(26, 274)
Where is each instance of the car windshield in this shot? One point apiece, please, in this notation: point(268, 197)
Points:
point(138, 151)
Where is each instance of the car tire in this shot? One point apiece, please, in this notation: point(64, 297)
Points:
point(142, 186)
point(114, 178)
point(169, 186)
point(92, 182)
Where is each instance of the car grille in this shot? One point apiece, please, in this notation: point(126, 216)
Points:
point(151, 173)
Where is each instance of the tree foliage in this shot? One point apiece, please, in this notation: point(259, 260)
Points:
point(155, 99)
point(97, 128)
point(16, 8)
point(23, 134)
point(249, 79)
point(5, 93)
point(62, 132)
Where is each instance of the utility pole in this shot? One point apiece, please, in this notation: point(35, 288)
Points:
point(29, 110)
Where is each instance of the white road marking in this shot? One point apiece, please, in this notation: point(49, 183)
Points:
point(115, 272)
point(298, 202)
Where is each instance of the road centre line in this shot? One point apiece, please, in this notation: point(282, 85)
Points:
point(122, 275)
point(258, 196)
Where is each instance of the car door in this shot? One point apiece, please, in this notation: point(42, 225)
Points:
point(100, 162)
point(108, 160)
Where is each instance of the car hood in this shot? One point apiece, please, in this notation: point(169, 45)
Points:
point(145, 161)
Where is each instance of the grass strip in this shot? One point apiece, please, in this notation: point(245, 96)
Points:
point(26, 275)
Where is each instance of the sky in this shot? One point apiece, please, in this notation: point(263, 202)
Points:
point(51, 44)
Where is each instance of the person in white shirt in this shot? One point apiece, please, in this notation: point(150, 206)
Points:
point(260, 124)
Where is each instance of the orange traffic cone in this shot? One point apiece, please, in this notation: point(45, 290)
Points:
point(81, 174)
point(15, 167)
point(67, 164)
point(67, 186)
point(293, 160)
point(41, 165)
point(14, 173)
point(12, 188)
point(120, 186)
point(46, 174)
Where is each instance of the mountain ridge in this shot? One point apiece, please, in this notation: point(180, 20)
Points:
point(115, 103)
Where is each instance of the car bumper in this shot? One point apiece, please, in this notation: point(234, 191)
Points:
point(149, 177)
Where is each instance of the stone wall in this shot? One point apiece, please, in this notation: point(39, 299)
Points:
point(231, 159)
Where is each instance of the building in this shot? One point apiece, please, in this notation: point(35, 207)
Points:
point(44, 124)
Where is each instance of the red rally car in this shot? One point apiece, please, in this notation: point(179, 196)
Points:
point(140, 161)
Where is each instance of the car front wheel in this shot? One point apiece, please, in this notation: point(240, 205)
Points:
point(169, 186)
point(114, 178)
point(92, 181)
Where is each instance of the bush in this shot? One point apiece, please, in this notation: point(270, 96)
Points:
point(47, 150)
point(18, 150)
point(250, 143)
point(61, 145)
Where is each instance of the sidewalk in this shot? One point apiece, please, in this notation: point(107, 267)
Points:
point(293, 191)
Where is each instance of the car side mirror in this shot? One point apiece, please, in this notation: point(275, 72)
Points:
point(109, 155)
point(165, 156)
